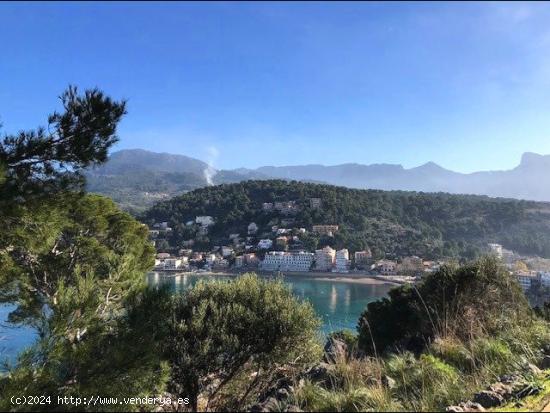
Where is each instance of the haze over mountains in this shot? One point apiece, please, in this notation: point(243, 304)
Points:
point(136, 178)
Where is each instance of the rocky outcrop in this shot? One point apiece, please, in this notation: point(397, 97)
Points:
point(466, 407)
point(335, 349)
point(512, 386)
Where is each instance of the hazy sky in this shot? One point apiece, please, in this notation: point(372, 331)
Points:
point(250, 84)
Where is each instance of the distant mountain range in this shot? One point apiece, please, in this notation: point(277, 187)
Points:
point(529, 180)
point(136, 178)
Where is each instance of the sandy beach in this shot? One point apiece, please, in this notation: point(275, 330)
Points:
point(354, 278)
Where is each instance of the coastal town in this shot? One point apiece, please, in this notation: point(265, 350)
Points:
point(279, 248)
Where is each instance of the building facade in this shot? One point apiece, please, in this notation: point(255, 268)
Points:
point(342, 262)
point(287, 261)
point(324, 259)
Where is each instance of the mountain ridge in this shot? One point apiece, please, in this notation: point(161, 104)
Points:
point(136, 178)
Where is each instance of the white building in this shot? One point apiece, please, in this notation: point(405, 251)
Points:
point(342, 261)
point(525, 280)
point(204, 220)
point(544, 279)
point(324, 259)
point(172, 263)
point(386, 267)
point(227, 251)
point(211, 259)
point(287, 261)
point(265, 244)
point(496, 249)
point(252, 228)
point(239, 261)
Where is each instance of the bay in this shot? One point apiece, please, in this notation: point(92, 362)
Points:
point(338, 303)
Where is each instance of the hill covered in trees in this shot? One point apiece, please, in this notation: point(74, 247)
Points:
point(135, 178)
point(389, 222)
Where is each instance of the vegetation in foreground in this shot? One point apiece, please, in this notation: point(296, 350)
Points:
point(73, 266)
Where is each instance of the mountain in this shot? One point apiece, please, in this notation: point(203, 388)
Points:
point(136, 178)
point(389, 222)
point(527, 181)
point(127, 160)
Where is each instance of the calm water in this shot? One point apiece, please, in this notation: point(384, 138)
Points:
point(339, 304)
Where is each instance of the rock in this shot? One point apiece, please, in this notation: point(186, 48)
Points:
point(505, 390)
point(545, 363)
point(509, 378)
point(531, 368)
point(488, 398)
point(282, 394)
point(469, 406)
point(319, 373)
point(388, 382)
point(335, 350)
point(472, 407)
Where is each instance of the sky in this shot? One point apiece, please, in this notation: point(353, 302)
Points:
point(466, 85)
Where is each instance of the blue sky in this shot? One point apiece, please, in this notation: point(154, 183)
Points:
point(251, 84)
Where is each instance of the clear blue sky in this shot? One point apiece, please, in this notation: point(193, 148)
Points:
point(250, 84)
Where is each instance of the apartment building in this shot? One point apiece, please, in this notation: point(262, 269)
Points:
point(287, 261)
point(324, 259)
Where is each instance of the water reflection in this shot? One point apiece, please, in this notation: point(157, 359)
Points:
point(339, 304)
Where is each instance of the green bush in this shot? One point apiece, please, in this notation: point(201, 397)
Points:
point(220, 329)
point(464, 302)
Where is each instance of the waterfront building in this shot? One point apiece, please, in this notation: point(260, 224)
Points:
point(544, 279)
point(342, 261)
point(362, 258)
point(324, 259)
point(226, 251)
point(496, 249)
point(386, 267)
point(239, 261)
point(287, 261)
point(251, 259)
point(526, 279)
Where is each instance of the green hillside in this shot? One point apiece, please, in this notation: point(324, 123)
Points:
point(389, 222)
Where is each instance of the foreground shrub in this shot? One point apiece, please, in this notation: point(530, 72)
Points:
point(239, 330)
point(472, 301)
point(426, 383)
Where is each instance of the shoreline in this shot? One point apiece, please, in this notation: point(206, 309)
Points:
point(352, 278)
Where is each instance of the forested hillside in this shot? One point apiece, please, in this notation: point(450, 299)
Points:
point(389, 222)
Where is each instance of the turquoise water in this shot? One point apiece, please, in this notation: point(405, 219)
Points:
point(338, 303)
point(13, 338)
